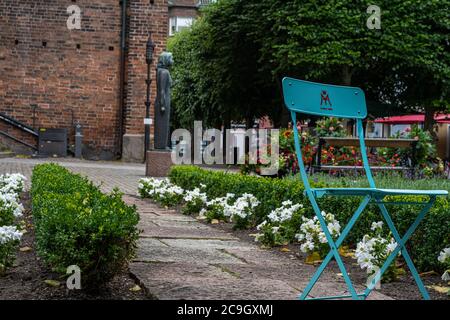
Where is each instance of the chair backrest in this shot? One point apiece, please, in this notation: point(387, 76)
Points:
point(327, 101)
point(324, 99)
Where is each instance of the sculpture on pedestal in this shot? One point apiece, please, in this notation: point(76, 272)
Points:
point(162, 103)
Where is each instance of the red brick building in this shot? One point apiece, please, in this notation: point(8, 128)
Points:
point(54, 77)
point(183, 12)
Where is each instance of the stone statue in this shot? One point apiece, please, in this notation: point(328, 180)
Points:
point(162, 103)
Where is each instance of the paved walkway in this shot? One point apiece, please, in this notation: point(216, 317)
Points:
point(181, 258)
point(108, 174)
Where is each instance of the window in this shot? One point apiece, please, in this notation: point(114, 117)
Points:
point(177, 24)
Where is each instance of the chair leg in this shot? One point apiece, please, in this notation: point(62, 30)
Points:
point(316, 276)
point(401, 242)
point(335, 253)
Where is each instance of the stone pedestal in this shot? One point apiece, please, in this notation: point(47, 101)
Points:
point(133, 148)
point(159, 163)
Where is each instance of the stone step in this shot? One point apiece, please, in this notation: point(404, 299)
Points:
point(7, 154)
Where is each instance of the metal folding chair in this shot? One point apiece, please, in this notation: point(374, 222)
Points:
point(350, 103)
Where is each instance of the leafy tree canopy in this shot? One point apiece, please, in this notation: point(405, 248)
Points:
point(230, 64)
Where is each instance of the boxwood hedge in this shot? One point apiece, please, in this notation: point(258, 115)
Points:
point(76, 224)
point(431, 237)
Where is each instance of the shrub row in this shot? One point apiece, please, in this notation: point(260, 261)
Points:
point(76, 224)
point(431, 237)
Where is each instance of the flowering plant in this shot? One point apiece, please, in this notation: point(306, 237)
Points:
point(330, 127)
point(373, 250)
point(161, 191)
point(311, 237)
point(194, 201)
point(10, 208)
point(242, 210)
point(9, 240)
point(12, 183)
point(281, 225)
point(218, 208)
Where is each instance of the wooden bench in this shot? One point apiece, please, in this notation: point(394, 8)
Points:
point(372, 143)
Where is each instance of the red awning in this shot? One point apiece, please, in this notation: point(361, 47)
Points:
point(413, 119)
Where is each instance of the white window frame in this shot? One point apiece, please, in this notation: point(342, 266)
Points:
point(174, 23)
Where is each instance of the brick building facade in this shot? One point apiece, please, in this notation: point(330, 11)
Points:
point(183, 12)
point(64, 77)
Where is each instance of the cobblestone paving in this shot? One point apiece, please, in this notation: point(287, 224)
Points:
point(181, 258)
point(108, 174)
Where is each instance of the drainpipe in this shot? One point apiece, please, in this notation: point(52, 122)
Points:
point(122, 72)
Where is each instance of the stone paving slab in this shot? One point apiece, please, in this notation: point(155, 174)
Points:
point(148, 252)
point(186, 231)
point(186, 281)
point(191, 260)
point(207, 244)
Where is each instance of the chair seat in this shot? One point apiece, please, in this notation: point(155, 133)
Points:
point(376, 192)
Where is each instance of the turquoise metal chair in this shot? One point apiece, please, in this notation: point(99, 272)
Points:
point(348, 102)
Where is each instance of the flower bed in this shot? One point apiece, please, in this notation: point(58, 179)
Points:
point(272, 194)
point(11, 185)
point(76, 224)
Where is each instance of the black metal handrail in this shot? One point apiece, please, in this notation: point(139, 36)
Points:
point(20, 125)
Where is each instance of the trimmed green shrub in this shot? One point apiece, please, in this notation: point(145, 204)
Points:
point(424, 247)
point(76, 224)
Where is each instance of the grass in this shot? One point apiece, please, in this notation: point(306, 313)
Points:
point(389, 181)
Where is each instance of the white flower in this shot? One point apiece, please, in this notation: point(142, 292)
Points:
point(372, 251)
point(9, 233)
point(285, 212)
point(311, 235)
point(9, 201)
point(377, 225)
point(261, 225)
point(12, 183)
point(391, 246)
point(195, 195)
point(159, 189)
point(243, 207)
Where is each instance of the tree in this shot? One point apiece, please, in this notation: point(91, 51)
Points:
point(216, 71)
point(245, 47)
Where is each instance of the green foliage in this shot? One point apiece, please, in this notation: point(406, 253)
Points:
point(425, 244)
point(193, 207)
point(330, 127)
point(160, 191)
point(232, 61)
point(425, 150)
point(278, 233)
point(76, 224)
point(7, 255)
point(270, 192)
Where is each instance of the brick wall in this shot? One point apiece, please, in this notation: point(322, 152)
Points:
point(74, 75)
point(183, 8)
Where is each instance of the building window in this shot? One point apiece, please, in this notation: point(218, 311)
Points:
point(177, 24)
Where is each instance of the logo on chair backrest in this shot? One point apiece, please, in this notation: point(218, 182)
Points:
point(325, 100)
